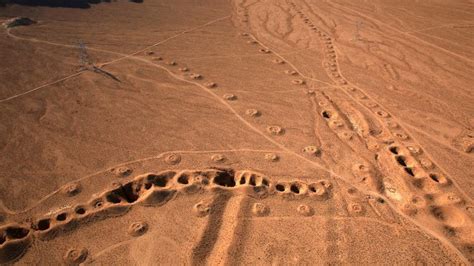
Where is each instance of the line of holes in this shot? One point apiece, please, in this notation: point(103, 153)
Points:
point(402, 161)
point(126, 192)
point(227, 180)
point(253, 181)
point(45, 224)
point(294, 187)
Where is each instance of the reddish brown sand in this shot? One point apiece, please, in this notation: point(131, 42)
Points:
point(238, 132)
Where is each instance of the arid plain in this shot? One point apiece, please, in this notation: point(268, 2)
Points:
point(279, 132)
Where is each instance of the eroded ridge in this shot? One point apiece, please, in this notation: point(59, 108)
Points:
point(151, 189)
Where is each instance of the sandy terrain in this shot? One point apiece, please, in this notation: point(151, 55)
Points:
point(238, 132)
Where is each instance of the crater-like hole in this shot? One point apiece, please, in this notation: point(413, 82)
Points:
point(130, 192)
point(80, 210)
point(280, 187)
point(252, 181)
point(265, 182)
point(159, 180)
point(148, 186)
point(61, 216)
point(44, 224)
point(183, 179)
point(409, 171)
point(312, 188)
point(16, 232)
point(112, 198)
point(326, 114)
point(98, 204)
point(242, 180)
point(225, 179)
point(401, 160)
point(3, 238)
point(394, 150)
point(295, 188)
point(434, 177)
point(437, 212)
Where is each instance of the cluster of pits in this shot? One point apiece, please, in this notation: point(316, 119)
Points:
point(330, 53)
point(156, 189)
point(402, 161)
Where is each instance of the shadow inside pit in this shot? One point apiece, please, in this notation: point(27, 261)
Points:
point(60, 3)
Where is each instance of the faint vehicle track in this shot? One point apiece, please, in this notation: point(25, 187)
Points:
point(123, 56)
point(405, 33)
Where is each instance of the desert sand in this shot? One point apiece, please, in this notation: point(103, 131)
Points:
point(218, 132)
